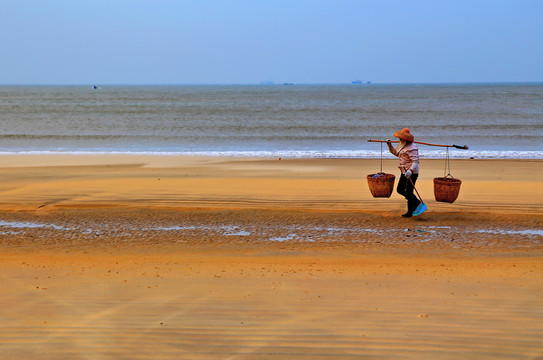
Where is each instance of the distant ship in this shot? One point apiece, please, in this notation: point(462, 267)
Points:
point(356, 82)
point(288, 83)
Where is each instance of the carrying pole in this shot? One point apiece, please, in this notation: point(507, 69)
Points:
point(464, 147)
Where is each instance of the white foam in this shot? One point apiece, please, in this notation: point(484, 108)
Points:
point(29, 225)
point(534, 232)
point(177, 228)
point(284, 238)
point(302, 154)
point(234, 231)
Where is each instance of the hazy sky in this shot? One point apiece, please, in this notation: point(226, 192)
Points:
point(238, 42)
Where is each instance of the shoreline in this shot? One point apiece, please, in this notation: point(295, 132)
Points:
point(362, 154)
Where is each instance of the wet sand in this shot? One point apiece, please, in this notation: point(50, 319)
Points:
point(140, 257)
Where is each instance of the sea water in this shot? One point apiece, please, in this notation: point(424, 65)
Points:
point(494, 120)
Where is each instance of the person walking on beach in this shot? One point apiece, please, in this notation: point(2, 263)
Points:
point(408, 156)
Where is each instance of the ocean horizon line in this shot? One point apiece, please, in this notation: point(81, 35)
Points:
point(363, 84)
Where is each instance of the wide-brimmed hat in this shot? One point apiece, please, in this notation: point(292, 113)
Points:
point(404, 134)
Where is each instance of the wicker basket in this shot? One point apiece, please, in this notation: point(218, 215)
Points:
point(446, 189)
point(381, 184)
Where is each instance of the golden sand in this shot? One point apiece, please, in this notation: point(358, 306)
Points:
point(112, 280)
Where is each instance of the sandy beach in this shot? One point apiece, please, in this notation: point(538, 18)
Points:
point(170, 257)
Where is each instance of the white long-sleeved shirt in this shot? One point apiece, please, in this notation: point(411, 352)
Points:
point(408, 157)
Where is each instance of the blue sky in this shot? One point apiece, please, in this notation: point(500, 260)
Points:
point(243, 42)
